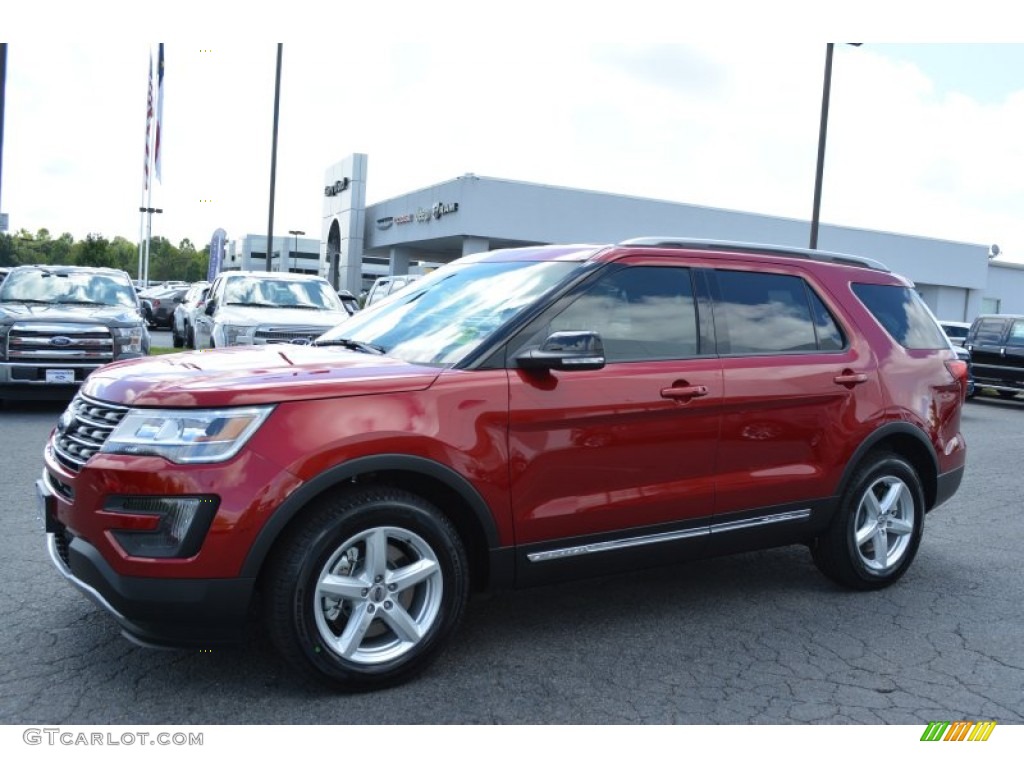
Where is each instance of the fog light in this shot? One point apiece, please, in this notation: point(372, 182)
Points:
point(162, 526)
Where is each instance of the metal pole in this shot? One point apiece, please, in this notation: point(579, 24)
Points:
point(295, 232)
point(3, 98)
point(273, 157)
point(821, 146)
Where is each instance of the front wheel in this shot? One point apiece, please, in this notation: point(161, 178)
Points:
point(877, 528)
point(364, 593)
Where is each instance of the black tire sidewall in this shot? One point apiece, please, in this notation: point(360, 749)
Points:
point(836, 553)
point(321, 539)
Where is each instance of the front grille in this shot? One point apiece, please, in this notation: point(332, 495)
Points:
point(59, 343)
point(279, 335)
point(82, 430)
point(63, 541)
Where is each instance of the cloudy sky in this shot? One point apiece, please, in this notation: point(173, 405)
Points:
point(654, 100)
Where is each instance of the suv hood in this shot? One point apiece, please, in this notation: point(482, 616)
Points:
point(253, 376)
point(236, 315)
point(69, 313)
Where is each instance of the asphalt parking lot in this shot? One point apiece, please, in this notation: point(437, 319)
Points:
point(757, 638)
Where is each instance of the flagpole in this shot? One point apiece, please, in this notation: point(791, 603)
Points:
point(146, 167)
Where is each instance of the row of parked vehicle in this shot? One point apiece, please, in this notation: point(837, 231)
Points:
point(247, 307)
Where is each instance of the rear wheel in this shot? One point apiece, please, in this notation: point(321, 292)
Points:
point(176, 339)
point(877, 529)
point(367, 590)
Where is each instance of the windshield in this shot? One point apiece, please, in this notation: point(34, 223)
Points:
point(444, 316)
point(42, 286)
point(258, 291)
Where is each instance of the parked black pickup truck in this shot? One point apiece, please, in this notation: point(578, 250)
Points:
point(996, 344)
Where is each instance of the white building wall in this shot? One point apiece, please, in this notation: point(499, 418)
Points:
point(498, 209)
point(1006, 283)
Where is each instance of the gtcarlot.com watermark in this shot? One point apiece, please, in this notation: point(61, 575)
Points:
point(70, 738)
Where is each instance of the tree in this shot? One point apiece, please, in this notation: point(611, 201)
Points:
point(124, 254)
point(92, 252)
point(8, 251)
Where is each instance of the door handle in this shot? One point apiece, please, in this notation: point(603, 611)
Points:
point(850, 379)
point(684, 392)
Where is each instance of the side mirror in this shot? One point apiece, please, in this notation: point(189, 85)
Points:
point(565, 351)
point(210, 308)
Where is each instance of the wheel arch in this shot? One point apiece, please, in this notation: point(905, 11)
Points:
point(453, 494)
point(907, 441)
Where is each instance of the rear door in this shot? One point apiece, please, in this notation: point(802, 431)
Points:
point(796, 392)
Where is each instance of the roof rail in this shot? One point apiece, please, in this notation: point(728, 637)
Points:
point(756, 248)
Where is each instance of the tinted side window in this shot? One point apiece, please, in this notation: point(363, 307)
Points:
point(988, 331)
point(642, 313)
point(763, 313)
point(902, 313)
point(1016, 337)
point(825, 326)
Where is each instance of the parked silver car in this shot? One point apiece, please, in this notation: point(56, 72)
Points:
point(266, 308)
point(183, 323)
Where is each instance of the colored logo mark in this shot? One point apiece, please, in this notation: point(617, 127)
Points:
point(958, 730)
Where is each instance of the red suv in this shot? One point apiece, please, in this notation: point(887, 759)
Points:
point(516, 417)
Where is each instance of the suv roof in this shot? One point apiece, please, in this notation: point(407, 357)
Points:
point(756, 248)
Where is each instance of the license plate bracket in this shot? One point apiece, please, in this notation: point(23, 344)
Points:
point(60, 375)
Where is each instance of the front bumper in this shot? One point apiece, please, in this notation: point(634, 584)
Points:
point(151, 611)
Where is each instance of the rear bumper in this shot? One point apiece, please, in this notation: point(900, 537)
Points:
point(947, 484)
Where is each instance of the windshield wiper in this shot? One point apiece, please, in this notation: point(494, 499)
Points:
point(359, 346)
point(251, 304)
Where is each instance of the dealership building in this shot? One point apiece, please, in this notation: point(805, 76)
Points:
point(434, 225)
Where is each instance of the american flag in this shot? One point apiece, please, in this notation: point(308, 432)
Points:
point(149, 120)
point(159, 108)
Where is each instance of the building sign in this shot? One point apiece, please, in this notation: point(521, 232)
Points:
point(386, 222)
point(405, 218)
point(436, 211)
point(443, 209)
point(337, 187)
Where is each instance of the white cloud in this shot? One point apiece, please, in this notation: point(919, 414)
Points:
point(726, 123)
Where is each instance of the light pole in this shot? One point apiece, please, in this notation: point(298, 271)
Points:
point(144, 277)
point(822, 128)
point(295, 232)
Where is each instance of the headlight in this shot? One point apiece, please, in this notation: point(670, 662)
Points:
point(129, 339)
point(186, 437)
point(237, 334)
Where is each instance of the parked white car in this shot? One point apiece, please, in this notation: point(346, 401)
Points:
point(184, 320)
point(266, 308)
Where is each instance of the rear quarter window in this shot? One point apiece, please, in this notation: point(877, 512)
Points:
point(903, 314)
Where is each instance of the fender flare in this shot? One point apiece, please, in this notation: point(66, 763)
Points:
point(896, 428)
point(313, 487)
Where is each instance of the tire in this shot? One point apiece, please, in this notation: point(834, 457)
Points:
point(1006, 395)
point(365, 592)
point(190, 337)
point(176, 340)
point(883, 507)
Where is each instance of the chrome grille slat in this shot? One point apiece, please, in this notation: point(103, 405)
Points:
point(283, 335)
point(83, 429)
point(59, 342)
